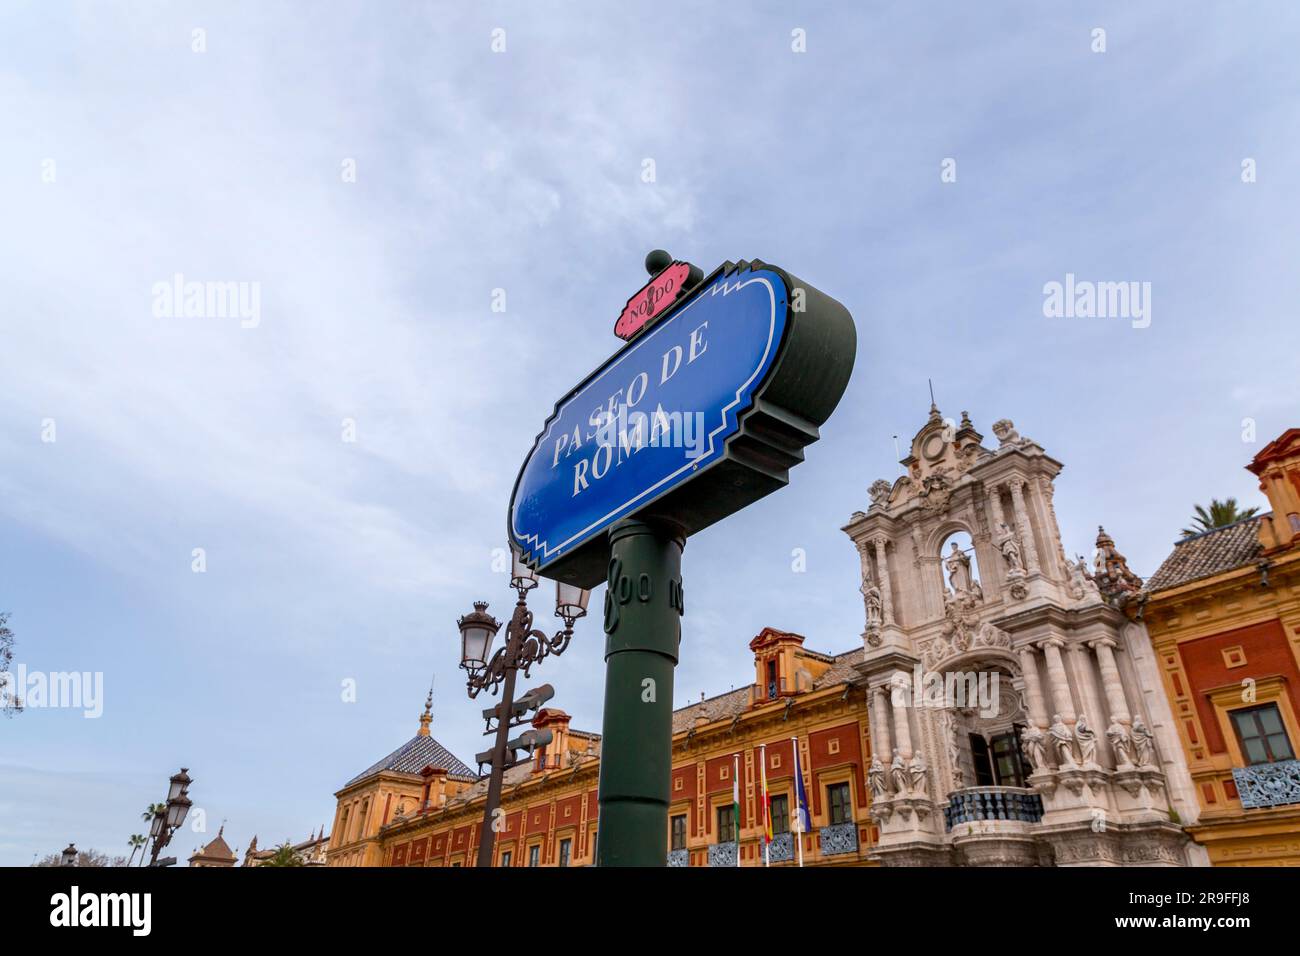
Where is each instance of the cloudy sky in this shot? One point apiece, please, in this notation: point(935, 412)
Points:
point(129, 157)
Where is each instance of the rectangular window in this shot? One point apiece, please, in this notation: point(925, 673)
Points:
point(566, 850)
point(780, 813)
point(726, 824)
point(1262, 734)
point(678, 824)
point(1004, 751)
point(979, 753)
point(505, 858)
point(534, 855)
point(837, 798)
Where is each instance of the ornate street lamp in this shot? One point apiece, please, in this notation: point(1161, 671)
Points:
point(69, 856)
point(524, 647)
point(170, 816)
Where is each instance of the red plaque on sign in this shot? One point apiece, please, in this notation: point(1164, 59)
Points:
point(655, 296)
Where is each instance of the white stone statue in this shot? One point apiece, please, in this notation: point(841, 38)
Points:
point(1006, 432)
point(1086, 738)
point(1062, 742)
point(1010, 548)
point(1143, 744)
point(916, 772)
point(898, 773)
point(958, 566)
point(871, 595)
point(1033, 743)
point(1121, 743)
point(876, 779)
point(879, 492)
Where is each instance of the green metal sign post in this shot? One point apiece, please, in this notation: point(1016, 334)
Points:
point(724, 380)
point(643, 609)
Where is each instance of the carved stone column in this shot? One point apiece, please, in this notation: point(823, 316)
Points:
point(1088, 702)
point(902, 731)
point(1110, 681)
point(882, 570)
point(1061, 698)
point(1023, 525)
point(995, 499)
point(880, 724)
point(1033, 687)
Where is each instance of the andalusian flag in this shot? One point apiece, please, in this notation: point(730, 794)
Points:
point(735, 805)
point(766, 800)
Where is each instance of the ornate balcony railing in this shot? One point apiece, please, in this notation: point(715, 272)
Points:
point(839, 838)
point(993, 803)
point(1268, 784)
point(781, 849)
point(722, 854)
point(679, 857)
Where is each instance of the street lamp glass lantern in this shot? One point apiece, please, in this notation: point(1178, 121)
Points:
point(180, 782)
point(69, 856)
point(476, 633)
point(522, 577)
point(570, 601)
point(156, 828)
point(176, 811)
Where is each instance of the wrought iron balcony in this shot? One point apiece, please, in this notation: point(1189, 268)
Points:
point(722, 854)
point(1268, 784)
point(781, 849)
point(839, 838)
point(679, 857)
point(993, 803)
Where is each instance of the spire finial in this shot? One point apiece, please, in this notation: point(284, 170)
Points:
point(426, 718)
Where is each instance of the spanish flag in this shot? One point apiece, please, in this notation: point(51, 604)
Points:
point(766, 800)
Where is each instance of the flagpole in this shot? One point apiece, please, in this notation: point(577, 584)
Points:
point(735, 786)
point(799, 810)
point(762, 776)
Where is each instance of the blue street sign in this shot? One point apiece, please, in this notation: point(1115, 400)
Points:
point(655, 430)
point(656, 414)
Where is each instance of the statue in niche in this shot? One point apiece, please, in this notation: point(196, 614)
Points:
point(1010, 549)
point(876, 779)
point(1033, 743)
point(871, 595)
point(958, 565)
point(898, 773)
point(1086, 738)
point(916, 774)
point(1062, 742)
point(1143, 744)
point(1120, 742)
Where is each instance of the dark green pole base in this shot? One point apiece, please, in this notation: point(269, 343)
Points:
point(643, 609)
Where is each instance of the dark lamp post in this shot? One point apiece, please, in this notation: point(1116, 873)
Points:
point(525, 646)
point(168, 818)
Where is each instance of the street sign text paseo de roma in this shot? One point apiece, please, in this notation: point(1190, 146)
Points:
point(698, 416)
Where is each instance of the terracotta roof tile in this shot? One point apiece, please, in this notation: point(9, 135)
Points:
point(413, 756)
point(1207, 554)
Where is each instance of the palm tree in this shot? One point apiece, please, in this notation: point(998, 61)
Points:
point(284, 856)
point(137, 840)
point(1219, 515)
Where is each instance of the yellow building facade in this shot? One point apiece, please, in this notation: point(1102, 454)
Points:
point(1224, 619)
point(397, 815)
